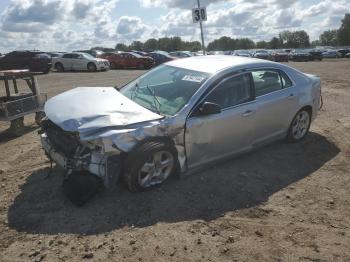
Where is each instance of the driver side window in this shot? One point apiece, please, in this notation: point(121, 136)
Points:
point(231, 92)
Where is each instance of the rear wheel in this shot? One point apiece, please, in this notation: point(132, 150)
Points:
point(300, 126)
point(17, 126)
point(149, 166)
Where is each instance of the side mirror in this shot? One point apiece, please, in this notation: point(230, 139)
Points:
point(208, 108)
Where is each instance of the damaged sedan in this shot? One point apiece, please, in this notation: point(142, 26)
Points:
point(178, 118)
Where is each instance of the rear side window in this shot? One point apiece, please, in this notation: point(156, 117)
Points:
point(285, 80)
point(231, 92)
point(67, 56)
point(266, 81)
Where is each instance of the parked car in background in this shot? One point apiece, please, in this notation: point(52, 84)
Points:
point(262, 54)
point(244, 53)
point(200, 111)
point(279, 55)
point(94, 53)
point(139, 52)
point(315, 54)
point(216, 53)
point(160, 57)
point(331, 54)
point(343, 51)
point(181, 54)
point(79, 62)
point(55, 54)
point(130, 60)
point(35, 61)
point(299, 55)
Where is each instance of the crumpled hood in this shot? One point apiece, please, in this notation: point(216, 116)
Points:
point(87, 109)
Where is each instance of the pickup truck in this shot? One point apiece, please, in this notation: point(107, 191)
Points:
point(79, 61)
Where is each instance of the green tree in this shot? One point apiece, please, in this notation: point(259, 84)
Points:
point(329, 37)
point(275, 43)
point(121, 47)
point(262, 44)
point(151, 44)
point(344, 31)
point(245, 43)
point(295, 39)
point(136, 45)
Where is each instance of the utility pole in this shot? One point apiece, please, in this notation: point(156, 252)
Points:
point(202, 35)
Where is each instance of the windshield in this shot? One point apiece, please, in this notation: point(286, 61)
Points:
point(88, 56)
point(136, 55)
point(165, 89)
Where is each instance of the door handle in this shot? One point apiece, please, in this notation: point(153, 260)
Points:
point(291, 96)
point(248, 113)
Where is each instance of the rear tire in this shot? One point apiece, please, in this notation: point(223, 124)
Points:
point(300, 126)
point(149, 166)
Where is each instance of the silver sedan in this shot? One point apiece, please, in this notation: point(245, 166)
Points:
point(179, 117)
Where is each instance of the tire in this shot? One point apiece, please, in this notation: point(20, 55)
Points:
point(91, 67)
point(17, 127)
point(300, 126)
point(112, 65)
point(149, 166)
point(59, 67)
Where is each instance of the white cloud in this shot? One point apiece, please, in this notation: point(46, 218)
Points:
point(78, 24)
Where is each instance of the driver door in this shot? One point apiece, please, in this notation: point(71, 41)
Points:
point(211, 137)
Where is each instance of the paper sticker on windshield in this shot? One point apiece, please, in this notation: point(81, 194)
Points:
point(197, 79)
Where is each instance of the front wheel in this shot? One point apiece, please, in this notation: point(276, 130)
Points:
point(300, 126)
point(149, 166)
point(91, 67)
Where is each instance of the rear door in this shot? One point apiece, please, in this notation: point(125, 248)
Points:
point(67, 61)
point(78, 62)
point(211, 137)
point(277, 102)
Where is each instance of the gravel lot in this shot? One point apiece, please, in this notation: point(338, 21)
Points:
point(284, 202)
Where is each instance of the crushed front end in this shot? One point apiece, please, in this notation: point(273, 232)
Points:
point(73, 155)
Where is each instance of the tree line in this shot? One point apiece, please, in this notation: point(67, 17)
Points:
point(285, 39)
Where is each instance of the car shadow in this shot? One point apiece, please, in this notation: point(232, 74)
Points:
point(246, 181)
point(6, 135)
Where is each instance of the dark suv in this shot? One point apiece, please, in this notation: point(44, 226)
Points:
point(35, 61)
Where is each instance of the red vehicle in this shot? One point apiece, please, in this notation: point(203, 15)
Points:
point(130, 60)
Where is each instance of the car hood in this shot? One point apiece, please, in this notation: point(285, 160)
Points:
point(88, 109)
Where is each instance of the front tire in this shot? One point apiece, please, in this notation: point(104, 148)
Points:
point(300, 126)
point(59, 67)
point(149, 166)
point(91, 67)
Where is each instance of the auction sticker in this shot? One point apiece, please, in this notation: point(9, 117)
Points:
point(197, 79)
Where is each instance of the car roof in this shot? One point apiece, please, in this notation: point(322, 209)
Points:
point(214, 63)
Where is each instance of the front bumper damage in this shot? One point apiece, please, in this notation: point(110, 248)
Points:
point(107, 167)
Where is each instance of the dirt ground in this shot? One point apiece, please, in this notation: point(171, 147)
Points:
point(283, 202)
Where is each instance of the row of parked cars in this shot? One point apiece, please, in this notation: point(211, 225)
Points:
point(37, 61)
point(285, 55)
point(93, 60)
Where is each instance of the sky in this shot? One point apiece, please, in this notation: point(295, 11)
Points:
point(66, 25)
